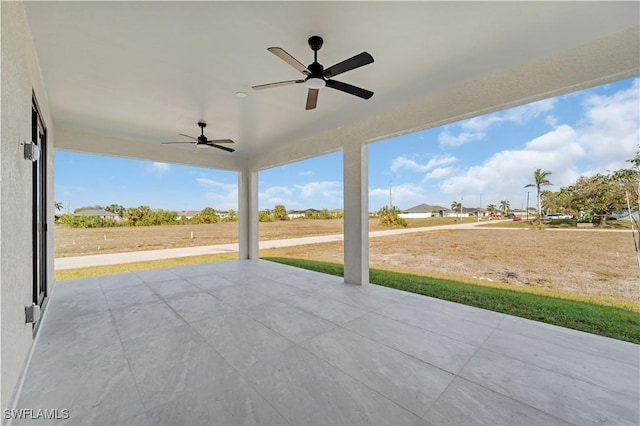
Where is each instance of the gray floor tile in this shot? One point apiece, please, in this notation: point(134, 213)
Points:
point(274, 289)
point(154, 275)
point(241, 297)
point(358, 296)
point(306, 390)
point(90, 385)
point(100, 362)
point(449, 354)
point(198, 306)
point(301, 283)
point(464, 330)
point(325, 307)
point(613, 375)
point(470, 313)
point(132, 295)
point(407, 381)
point(190, 271)
point(145, 320)
point(466, 403)
point(66, 339)
point(210, 282)
point(574, 339)
point(176, 362)
point(240, 339)
point(293, 323)
point(571, 400)
point(75, 300)
point(69, 287)
point(109, 282)
point(166, 289)
point(239, 406)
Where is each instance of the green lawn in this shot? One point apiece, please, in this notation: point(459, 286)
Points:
point(609, 321)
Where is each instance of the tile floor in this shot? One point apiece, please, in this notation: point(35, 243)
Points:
point(254, 342)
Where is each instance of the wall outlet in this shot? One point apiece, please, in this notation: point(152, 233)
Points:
point(32, 313)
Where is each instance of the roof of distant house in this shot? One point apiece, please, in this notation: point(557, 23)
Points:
point(424, 208)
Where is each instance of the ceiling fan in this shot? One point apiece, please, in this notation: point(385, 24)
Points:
point(203, 141)
point(317, 77)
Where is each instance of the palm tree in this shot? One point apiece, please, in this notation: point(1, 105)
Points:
point(504, 205)
point(540, 179)
point(58, 205)
point(491, 209)
point(456, 205)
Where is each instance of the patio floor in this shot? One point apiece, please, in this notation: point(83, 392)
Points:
point(254, 342)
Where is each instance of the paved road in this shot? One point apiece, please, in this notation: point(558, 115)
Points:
point(142, 256)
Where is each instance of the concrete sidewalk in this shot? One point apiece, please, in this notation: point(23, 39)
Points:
point(143, 256)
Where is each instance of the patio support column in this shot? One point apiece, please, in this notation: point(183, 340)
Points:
point(248, 214)
point(356, 213)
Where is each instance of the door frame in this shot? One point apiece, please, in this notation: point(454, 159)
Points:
point(39, 208)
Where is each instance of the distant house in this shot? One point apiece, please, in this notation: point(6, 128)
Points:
point(422, 211)
point(187, 213)
point(101, 213)
point(455, 213)
point(480, 212)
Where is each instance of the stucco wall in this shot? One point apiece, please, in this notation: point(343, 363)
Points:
point(21, 78)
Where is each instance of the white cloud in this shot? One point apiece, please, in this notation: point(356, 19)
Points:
point(439, 173)
point(158, 168)
point(403, 162)
point(276, 195)
point(403, 196)
point(608, 135)
point(475, 128)
point(319, 195)
point(324, 189)
point(224, 196)
point(307, 173)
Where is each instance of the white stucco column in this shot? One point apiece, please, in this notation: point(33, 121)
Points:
point(356, 214)
point(248, 214)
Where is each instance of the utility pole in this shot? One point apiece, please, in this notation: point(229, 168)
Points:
point(480, 208)
point(527, 205)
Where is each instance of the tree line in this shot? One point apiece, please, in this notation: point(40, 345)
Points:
point(594, 197)
point(140, 216)
point(146, 216)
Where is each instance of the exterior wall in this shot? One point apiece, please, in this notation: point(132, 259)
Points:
point(21, 78)
point(416, 215)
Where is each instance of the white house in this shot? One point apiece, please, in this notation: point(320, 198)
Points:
point(119, 78)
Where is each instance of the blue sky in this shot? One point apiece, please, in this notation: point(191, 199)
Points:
point(481, 161)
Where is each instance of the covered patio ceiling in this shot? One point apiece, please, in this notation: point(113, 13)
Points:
point(122, 77)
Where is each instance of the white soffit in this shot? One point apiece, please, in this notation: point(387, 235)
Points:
point(142, 72)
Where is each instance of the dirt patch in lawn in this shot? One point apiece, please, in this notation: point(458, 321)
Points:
point(601, 264)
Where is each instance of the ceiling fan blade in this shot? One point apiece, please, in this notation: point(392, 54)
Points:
point(282, 54)
point(347, 88)
point(210, 141)
point(168, 143)
point(312, 98)
point(224, 148)
point(279, 83)
point(187, 136)
point(348, 64)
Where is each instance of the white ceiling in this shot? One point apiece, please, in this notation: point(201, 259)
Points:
point(133, 74)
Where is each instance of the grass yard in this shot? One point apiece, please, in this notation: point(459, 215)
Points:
point(82, 242)
point(599, 266)
point(614, 322)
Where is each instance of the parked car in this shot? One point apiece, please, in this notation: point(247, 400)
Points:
point(517, 218)
point(557, 216)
